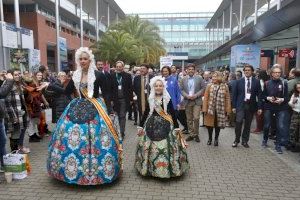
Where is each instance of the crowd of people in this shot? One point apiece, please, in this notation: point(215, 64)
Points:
point(86, 143)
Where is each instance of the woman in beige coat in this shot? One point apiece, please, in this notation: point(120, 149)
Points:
point(216, 106)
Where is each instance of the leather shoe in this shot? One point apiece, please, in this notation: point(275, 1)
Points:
point(235, 144)
point(33, 139)
point(197, 139)
point(295, 149)
point(209, 142)
point(216, 143)
point(245, 144)
point(190, 138)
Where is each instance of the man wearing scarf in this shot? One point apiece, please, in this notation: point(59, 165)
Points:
point(142, 89)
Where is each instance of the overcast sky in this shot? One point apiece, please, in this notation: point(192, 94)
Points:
point(167, 6)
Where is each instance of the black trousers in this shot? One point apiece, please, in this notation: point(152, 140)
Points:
point(210, 132)
point(243, 117)
point(180, 114)
point(133, 109)
point(130, 110)
point(135, 112)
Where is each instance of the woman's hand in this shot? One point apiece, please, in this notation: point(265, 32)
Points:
point(42, 86)
point(9, 76)
point(140, 131)
point(177, 130)
point(46, 104)
point(16, 120)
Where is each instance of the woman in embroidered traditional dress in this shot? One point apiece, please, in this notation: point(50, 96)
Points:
point(85, 148)
point(161, 148)
point(216, 106)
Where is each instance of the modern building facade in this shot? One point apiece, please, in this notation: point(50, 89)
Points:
point(184, 33)
point(77, 24)
point(271, 24)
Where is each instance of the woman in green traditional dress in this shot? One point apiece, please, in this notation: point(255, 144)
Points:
point(161, 148)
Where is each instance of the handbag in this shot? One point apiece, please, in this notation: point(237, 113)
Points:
point(16, 163)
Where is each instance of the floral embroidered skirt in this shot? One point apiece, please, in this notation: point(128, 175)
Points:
point(82, 149)
point(163, 159)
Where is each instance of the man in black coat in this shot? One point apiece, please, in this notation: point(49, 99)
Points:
point(122, 93)
point(141, 87)
point(105, 85)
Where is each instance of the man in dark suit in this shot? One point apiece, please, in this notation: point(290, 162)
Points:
point(122, 94)
point(246, 100)
point(141, 88)
point(105, 85)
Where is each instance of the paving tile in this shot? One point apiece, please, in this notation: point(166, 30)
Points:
point(216, 173)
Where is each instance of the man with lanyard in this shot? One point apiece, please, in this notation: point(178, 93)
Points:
point(122, 94)
point(246, 100)
point(192, 87)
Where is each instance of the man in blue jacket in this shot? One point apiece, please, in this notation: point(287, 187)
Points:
point(275, 96)
point(246, 100)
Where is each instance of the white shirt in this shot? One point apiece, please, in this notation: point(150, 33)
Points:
point(191, 85)
point(247, 95)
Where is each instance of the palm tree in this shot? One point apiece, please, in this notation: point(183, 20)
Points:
point(131, 40)
point(117, 45)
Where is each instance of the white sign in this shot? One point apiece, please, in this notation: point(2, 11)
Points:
point(166, 61)
point(180, 57)
point(9, 35)
point(27, 38)
point(34, 60)
point(245, 54)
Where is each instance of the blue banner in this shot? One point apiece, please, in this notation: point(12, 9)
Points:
point(63, 52)
point(245, 54)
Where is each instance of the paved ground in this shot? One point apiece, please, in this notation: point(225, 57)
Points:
point(215, 173)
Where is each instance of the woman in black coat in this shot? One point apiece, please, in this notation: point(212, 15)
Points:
point(62, 90)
